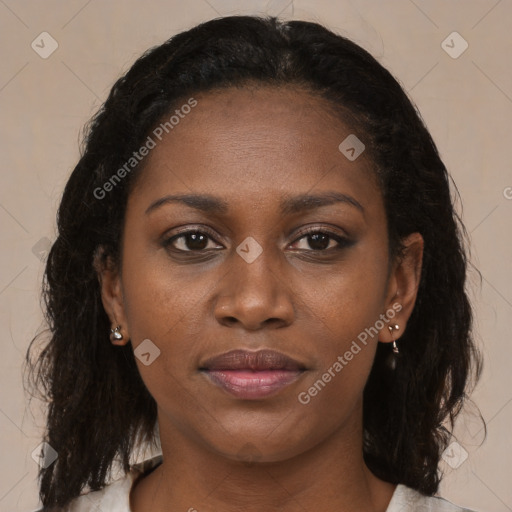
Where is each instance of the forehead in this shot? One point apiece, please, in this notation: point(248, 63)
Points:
point(268, 141)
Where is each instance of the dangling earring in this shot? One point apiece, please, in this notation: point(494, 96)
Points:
point(391, 360)
point(115, 334)
point(391, 327)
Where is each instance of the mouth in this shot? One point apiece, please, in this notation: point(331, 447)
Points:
point(252, 375)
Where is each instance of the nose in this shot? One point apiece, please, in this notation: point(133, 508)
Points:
point(255, 295)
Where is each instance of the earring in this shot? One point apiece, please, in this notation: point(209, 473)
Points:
point(391, 360)
point(115, 334)
point(391, 327)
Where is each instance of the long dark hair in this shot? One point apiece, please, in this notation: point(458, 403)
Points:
point(99, 409)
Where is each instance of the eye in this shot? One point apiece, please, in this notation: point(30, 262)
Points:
point(317, 240)
point(190, 241)
point(322, 240)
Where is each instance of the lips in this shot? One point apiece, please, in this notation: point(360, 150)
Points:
point(252, 375)
point(256, 361)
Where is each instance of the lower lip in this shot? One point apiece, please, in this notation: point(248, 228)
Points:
point(252, 385)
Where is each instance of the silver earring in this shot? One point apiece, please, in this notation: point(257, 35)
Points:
point(115, 334)
point(391, 327)
point(392, 358)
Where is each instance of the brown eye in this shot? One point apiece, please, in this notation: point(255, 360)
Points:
point(318, 240)
point(189, 241)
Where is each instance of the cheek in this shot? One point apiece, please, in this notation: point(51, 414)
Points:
point(347, 315)
point(156, 299)
point(350, 302)
point(163, 311)
point(160, 304)
point(344, 358)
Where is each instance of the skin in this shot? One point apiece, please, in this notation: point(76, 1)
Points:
point(253, 148)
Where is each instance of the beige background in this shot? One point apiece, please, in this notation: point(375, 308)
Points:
point(465, 101)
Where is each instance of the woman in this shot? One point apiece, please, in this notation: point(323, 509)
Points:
point(258, 269)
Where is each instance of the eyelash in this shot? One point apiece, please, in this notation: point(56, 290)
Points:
point(342, 241)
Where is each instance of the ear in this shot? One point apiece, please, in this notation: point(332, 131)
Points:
point(403, 287)
point(111, 293)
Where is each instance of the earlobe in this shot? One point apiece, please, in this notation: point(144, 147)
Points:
point(111, 296)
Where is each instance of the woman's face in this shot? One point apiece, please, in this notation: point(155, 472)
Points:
point(263, 167)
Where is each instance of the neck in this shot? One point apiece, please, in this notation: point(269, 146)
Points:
point(331, 475)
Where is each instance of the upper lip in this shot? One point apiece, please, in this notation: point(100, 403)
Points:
point(257, 361)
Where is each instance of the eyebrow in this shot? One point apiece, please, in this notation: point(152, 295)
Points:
point(214, 205)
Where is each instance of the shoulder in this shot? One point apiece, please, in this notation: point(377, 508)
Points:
point(115, 497)
point(406, 499)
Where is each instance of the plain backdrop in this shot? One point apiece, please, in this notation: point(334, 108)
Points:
point(465, 98)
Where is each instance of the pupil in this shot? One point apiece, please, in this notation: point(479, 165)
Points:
point(196, 241)
point(314, 241)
